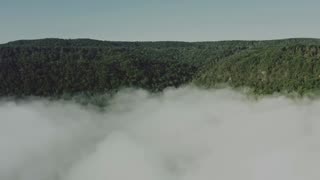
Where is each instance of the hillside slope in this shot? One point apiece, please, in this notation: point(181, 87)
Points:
point(268, 69)
point(52, 67)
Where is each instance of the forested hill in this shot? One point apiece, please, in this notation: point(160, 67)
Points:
point(294, 68)
point(52, 67)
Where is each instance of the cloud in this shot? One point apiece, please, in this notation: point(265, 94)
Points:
point(181, 134)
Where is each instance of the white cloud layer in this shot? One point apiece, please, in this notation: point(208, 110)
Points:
point(183, 134)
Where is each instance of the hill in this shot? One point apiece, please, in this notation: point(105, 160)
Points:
point(52, 67)
point(293, 68)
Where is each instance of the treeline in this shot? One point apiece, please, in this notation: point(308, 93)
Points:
point(24, 78)
point(53, 67)
point(267, 70)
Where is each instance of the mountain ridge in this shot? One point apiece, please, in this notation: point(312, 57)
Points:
point(52, 67)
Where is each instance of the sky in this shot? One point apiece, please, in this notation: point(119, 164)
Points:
point(159, 20)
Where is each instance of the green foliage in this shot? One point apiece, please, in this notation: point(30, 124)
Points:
point(26, 71)
point(53, 67)
point(267, 70)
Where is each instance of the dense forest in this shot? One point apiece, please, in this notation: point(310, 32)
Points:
point(53, 67)
point(266, 70)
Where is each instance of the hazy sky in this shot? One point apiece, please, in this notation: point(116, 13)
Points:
point(136, 20)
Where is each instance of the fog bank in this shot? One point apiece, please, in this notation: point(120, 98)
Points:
point(182, 134)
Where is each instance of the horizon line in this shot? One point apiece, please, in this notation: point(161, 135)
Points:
point(146, 41)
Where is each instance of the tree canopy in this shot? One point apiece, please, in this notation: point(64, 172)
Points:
point(52, 67)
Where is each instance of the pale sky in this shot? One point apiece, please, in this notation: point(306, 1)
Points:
point(159, 20)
